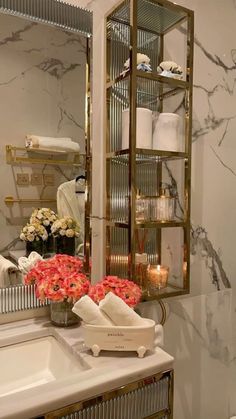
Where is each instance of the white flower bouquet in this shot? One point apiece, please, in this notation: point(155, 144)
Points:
point(44, 216)
point(33, 232)
point(66, 226)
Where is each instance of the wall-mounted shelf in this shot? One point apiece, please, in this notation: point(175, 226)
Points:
point(24, 155)
point(134, 174)
point(9, 200)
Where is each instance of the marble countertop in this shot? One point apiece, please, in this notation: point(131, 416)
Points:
point(104, 373)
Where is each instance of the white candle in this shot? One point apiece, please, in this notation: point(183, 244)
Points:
point(158, 276)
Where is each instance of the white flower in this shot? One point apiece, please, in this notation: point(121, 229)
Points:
point(31, 229)
point(30, 237)
point(62, 232)
point(39, 215)
point(70, 233)
point(46, 223)
point(22, 236)
point(44, 237)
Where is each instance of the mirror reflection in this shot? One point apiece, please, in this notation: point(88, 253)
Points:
point(42, 139)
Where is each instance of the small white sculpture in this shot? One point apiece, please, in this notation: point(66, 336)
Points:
point(170, 69)
point(143, 63)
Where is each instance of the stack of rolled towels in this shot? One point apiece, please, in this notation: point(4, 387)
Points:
point(112, 311)
point(51, 143)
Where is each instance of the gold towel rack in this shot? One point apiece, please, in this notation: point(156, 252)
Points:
point(14, 156)
point(9, 200)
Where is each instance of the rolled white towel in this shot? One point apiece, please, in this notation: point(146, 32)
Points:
point(60, 144)
point(27, 263)
point(119, 312)
point(90, 313)
point(9, 273)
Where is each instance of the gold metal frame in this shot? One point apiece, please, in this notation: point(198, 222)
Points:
point(12, 156)
point(82, 23)
point(119, 392)
point(9, 200)
point(130, 155)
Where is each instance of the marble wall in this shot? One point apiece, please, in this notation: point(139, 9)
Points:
point(42, 85)
point(199, 330)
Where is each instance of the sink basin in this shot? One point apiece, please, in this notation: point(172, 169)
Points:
point(32, 363)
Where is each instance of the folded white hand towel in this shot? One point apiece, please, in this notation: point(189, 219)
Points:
point(119, 312)
point(9, 273)
point(60, 144)
point(26, 263)
point(159, 336)
point(90, 313)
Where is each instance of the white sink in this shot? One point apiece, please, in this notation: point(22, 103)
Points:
point(32, 363)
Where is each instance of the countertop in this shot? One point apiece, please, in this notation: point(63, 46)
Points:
point(106, 372)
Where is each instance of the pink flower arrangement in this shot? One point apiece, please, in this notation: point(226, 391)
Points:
point(127, 290)
point(59, 279)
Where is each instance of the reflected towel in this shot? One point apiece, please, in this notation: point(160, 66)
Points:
point(119, 312)
point(27, 263)
point(9, 273)
point(90, 313)
point(59, 144)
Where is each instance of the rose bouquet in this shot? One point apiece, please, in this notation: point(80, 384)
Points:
point(66, 226)
point(127, 290)
point(58, 279)
point(44, 216)
point(33, 232)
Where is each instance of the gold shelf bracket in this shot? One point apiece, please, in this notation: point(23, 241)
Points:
point(9, 200)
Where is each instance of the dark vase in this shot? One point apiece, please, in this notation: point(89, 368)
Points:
point(65, 245)
point(35, 246)
point(49, 243)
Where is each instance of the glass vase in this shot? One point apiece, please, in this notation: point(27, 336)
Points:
point(35, 246)
point(65, 245)
point(62, 314)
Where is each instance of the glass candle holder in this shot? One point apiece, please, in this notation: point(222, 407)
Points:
point(141, 209)
point(157, 276)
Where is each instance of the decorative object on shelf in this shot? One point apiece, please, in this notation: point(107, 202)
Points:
point(65, 230)
point(157, 277)
point(170, 69)
point(166, 135)
point(127, 290)
point(162, 206)
point(51, 143)
point(143, 128)
point(35, 235)
point(141, 208)
point(143, 64)
point(46, 217)
point(141, 259)
point(60, 280)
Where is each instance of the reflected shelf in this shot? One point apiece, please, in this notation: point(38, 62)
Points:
point(147, 224)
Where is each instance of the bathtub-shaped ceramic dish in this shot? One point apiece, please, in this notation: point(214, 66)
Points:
point(120, 338)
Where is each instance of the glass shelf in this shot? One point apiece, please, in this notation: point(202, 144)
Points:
point(145, 156)
point(155, 17)
point(147, 224)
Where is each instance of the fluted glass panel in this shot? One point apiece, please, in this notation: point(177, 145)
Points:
point(52, 12)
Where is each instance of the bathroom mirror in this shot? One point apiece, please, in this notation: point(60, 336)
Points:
point(44, 83)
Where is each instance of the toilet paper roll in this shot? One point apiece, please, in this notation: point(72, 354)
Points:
point(143, 128)
point(166, 134)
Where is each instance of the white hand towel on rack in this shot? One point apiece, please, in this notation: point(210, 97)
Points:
point(27, 263)
point(9, 273)
point(51, 143)
point(119, 312)
point(90, 313)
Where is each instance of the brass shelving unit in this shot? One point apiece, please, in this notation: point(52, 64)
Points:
point(143, 26)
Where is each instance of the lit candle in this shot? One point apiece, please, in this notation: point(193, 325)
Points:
point(158, 276)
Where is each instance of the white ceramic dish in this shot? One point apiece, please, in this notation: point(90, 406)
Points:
point(120, 338)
